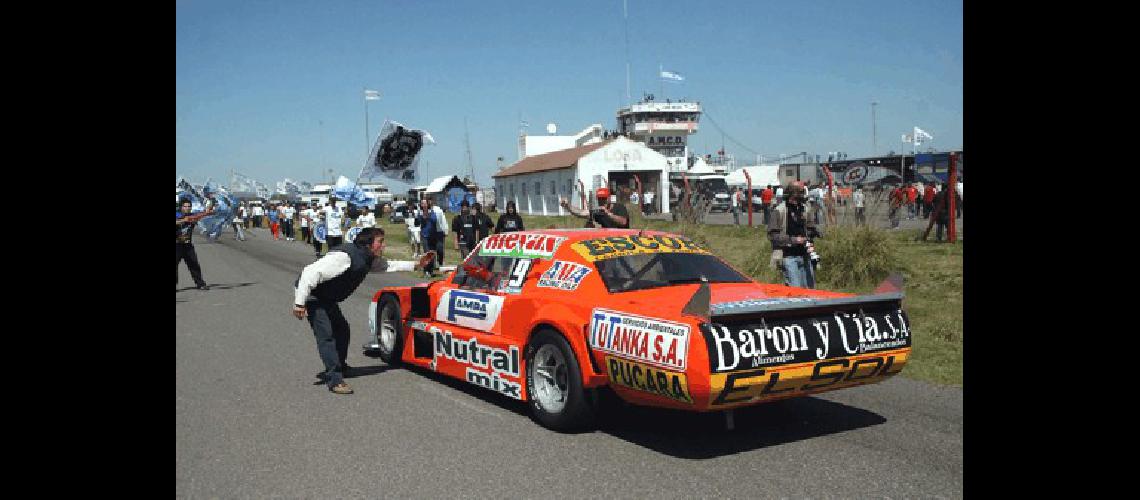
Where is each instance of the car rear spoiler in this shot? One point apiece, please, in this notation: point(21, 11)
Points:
point(889, 292)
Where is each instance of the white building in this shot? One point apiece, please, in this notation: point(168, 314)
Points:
point(537, 183)
point(532, 145)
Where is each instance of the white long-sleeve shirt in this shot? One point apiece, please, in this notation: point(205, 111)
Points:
point(334, 264)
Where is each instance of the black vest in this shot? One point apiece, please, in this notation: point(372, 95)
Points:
point(340, 287)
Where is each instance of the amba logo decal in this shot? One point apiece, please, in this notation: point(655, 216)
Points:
point(470, 309)
point(645, 378)
point(563, 275)
point(622, 246)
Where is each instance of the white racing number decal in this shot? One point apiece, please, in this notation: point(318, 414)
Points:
point(471, 309)
point(518, 273)
point(488, 366)
point(652, 341)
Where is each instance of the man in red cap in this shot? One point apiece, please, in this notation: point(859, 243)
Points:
point(606, 215)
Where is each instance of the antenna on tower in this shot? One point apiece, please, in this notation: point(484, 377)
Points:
point(467, 140)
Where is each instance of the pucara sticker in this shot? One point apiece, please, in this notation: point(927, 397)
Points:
point(470, 309)
point(649, 340)
point(520, 245)
point(563, 275)
point(672, 385)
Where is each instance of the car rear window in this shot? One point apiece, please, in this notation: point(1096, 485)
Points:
point(654, 270)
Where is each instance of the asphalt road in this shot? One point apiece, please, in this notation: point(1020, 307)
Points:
point(252, 420)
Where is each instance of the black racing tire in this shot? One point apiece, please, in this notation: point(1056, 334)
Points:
point(557, 401)
point(388, 316)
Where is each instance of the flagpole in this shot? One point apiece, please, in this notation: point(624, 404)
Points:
point(366, 146)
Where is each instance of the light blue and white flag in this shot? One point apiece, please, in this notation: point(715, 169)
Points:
point(348, 191)
point(350, 235)
point(669, 75)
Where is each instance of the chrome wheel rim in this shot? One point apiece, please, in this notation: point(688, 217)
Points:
point(551, 378)
point(388, 329)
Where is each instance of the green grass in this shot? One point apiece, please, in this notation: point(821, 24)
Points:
point(854, 260)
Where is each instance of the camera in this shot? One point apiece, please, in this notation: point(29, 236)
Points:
point(812, 253)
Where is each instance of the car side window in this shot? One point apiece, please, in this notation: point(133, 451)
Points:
point(504, 274)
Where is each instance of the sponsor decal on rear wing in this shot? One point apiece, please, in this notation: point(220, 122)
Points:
point(749, 342)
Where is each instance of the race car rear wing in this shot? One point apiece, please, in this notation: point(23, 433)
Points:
point(887, 295)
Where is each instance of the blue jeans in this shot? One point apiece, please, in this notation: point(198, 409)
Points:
point(736, 215)
point(798, 272)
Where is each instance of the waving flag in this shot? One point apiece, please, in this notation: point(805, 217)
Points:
point(669, 75)
point(396, 153)
point(348, 191)
point(371, 95)
point(921, 136)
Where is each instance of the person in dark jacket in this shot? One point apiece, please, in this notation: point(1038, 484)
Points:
point(510, 221)
point(331, 279)
point(183, 248)
point(483, 224)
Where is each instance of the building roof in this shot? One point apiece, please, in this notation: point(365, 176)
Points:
point(550, 161)
point(437, 184)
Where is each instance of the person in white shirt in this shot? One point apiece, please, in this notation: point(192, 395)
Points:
point(779, 194)
point(334, 222)
point(258, 213)
point(649, 202)
point(305, 215)
point(239, 233)
point(857, 197)
point(331, 279)
point(366, 219)
point(289, 212)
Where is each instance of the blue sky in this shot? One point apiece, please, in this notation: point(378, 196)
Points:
point(255, 79)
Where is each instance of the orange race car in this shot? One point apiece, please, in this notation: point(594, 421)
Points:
point(551, 316)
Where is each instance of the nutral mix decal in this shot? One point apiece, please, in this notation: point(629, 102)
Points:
point(471, 309)
point(563, 275)
point(737, 346)
point(652, 341)
point(490, 367)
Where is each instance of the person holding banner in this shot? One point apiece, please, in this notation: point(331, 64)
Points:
point(334, 223)
point(319, 231)
point(184, 224)
point(325, 283)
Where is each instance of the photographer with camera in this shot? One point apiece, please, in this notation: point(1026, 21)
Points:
point(790, 233)
point(606, 215)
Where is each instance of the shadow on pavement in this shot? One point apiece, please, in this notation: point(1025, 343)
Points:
point(693, 435)
point(227, 286)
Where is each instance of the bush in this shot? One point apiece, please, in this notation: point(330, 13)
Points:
point(856, 256)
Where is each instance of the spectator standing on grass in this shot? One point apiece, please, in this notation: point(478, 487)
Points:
point(366, 219)
point(928, 200)
point(483, 224)
point(463, 225)
point(608, 213)
point(766, 202)
point(334, 222)
point(895, 204)
point(430, 235)
point(649, 208)
point(911, 197)
point(510, 221)
point(942, 211)
point(857, 198)
point(789, 234)
point(736, 197)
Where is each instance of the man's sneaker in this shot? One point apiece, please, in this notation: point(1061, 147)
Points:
point(341, 388)
point(203, 287)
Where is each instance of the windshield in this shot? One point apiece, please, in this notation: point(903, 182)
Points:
point(639, 272)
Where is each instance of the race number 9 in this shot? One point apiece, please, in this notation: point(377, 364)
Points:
point(518, 273)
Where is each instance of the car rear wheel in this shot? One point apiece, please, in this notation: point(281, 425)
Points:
point(389, 330)
point(554, 384)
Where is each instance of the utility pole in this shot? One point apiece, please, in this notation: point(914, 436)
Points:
point(467, 140)
point(874, 131)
